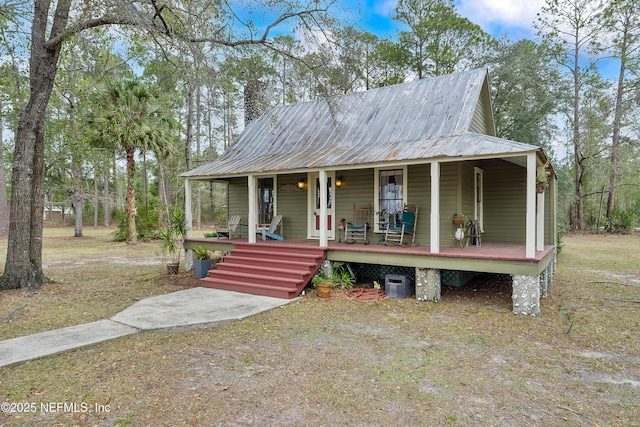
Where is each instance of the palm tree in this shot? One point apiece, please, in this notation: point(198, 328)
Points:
point(129, 116)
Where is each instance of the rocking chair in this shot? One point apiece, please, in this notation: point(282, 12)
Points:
point(356, 228)
point(395, 232)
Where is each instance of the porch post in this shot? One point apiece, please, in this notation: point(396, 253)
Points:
point(188, 219)
point(253, 208)
point(435, 208)
point(540, 223)
point(530, 223)
point(324, 238)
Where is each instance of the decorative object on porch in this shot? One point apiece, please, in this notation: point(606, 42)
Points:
point(171, 240)
point(474, 233)
point(395, 233)
point(201, 262)
point(459, 235)
point(230, 229)
point(356, 228)
point(542, 179)
point(269, 230)
point(459, 219)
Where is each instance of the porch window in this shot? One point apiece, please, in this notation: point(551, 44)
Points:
point(391, 197)
point(478, 196)
point(266, 202)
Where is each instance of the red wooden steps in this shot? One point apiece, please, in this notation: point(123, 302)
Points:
point(280, 272)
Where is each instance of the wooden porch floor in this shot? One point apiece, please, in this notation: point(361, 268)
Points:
point(488, 251)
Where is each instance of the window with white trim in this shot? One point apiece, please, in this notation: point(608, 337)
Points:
point(391, 195)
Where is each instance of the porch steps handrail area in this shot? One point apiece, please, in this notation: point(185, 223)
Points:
point(280, 272)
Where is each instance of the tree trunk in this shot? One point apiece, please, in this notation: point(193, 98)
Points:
point(577, 144)
point(96, 196)
point(617, 120)
point(4, 207)
point(23, 268)
point(106, 196)
point(131, 195)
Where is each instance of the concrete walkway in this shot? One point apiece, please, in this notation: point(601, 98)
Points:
point(196, 306)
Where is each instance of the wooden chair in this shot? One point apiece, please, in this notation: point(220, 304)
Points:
point(230, 229)
point(356, 228)
point(395, 232)
point(269, 230)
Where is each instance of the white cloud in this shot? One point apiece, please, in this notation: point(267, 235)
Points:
point(384, 7)
point(503, 13)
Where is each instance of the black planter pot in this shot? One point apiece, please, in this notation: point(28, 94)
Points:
point(201, 267)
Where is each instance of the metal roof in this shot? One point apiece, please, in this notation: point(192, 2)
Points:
point(423, 119)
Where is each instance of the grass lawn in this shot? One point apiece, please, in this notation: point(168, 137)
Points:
point(464, 361)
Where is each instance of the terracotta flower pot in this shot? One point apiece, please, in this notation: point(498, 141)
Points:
point(324, 291)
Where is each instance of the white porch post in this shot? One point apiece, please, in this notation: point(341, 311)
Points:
point(253, 208)
point(188, 216)
point(530, 223)
point(324, 238)
point(435, 208)
point(540, 223)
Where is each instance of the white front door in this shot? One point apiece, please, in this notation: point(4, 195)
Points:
point(313, 178)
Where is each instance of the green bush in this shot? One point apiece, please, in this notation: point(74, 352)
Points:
point(622, 221)
point(147, 224)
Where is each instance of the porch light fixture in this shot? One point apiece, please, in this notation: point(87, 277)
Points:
point(301, 184)
point(339, 181)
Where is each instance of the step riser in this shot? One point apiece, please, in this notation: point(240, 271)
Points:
point(273, 263)
point(290, 256)
point(239, 268)
point(284, 293)
point(264, 280)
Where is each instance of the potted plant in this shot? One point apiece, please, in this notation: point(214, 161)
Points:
point(324, 282)
point(542, 179)
point(171, 240)
point(201, 262)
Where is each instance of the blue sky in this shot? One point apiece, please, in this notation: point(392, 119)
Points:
point(497, 17)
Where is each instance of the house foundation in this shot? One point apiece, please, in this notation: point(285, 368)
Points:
point(428, 285)
point(526, 295)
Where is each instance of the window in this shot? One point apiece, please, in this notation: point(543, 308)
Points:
point(391, 197)
point(265, 200)
point(478, 196)
point(329, 193)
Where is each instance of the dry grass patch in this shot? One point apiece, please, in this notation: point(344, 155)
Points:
point(338, 362)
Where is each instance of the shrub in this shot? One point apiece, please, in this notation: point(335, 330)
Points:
point(147, 224)
point(622, 221)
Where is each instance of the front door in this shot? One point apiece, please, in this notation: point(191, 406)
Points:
point(314, 205)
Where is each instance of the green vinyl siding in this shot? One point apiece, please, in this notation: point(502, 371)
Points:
point(238, 203)
point(419, 191)
point(449, 200)
point(357, 188)
point(504, 202)
point(292, 205)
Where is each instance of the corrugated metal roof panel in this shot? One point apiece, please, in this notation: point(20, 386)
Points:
point(418, 120)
